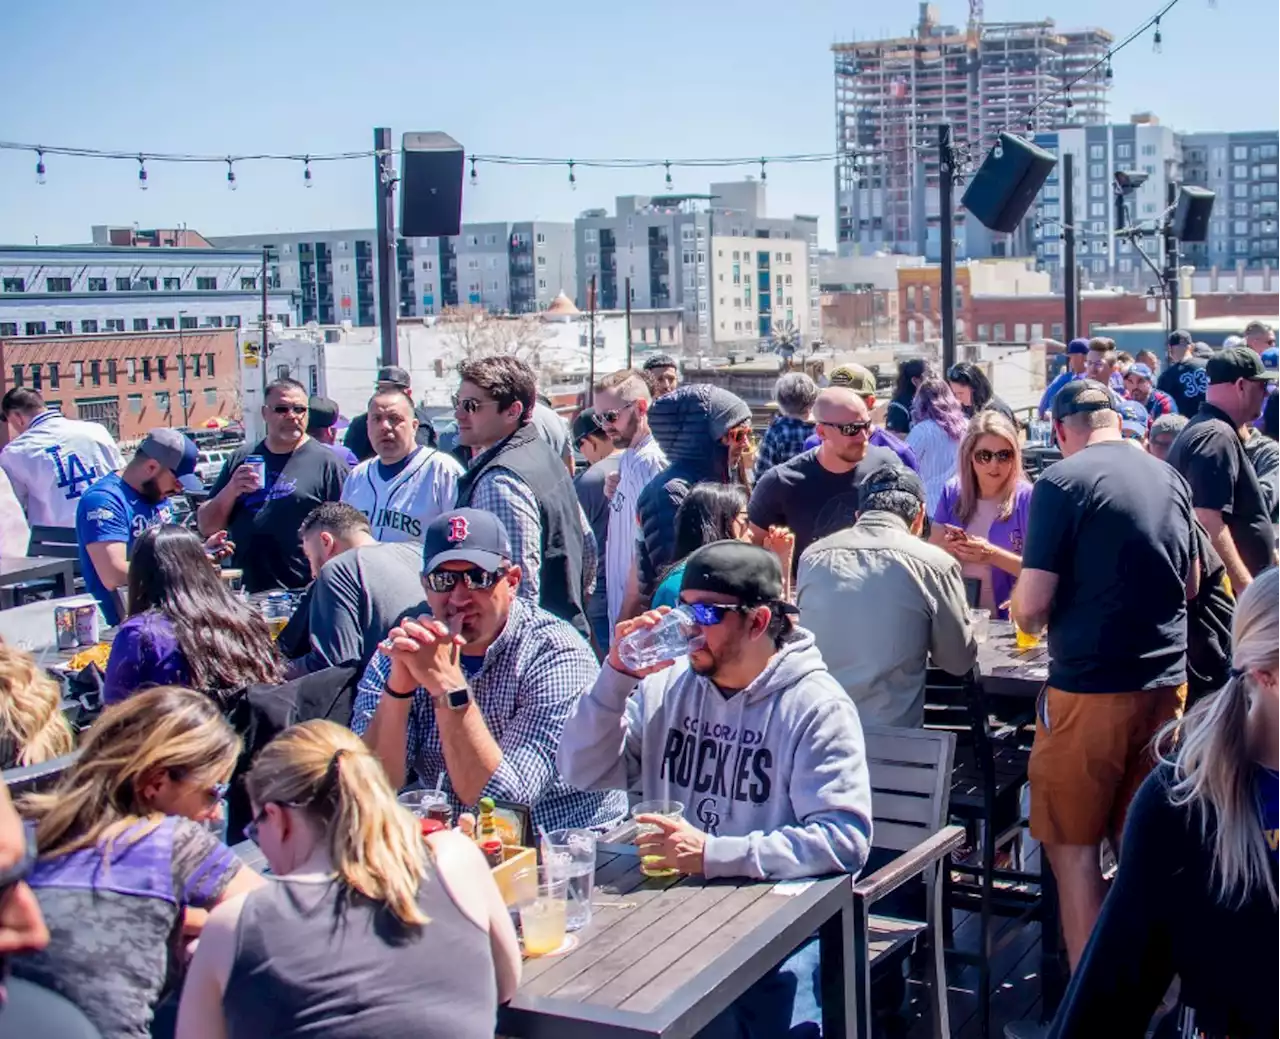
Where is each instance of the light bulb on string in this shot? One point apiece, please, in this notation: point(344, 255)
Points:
point(764, 174)
point(39, 166)
point(1157, 41)
point(1107, 74)
point(573, 180)
point(306, 171)
point(231, 176)
point(142, 174)
point(474, 178)
point(668, 166)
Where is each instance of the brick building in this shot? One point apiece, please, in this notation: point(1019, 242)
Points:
point(130, 383)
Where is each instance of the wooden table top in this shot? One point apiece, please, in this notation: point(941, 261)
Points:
point(1007, 670)
point(28, 568)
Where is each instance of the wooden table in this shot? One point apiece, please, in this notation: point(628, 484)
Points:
point(20, 569)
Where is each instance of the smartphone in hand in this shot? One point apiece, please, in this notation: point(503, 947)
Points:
point(954, 533)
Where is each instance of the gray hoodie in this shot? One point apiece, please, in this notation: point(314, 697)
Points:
point(776, 775)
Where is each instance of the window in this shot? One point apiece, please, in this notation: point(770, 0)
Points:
point(428, 265)
point(8, 328)
point(542, 283)
point(213, 321)
point(97, 284)
point(95, 372)
point(1096, 151)
point(911, 297)
point(248, 284)
point(36, 328)
point(15, 285)
point(211, 397)
point(165, 323)
point(146, 284)
point(111, 371)
point(115, 324)
point(1124, 151)
point(77, 371)
point(162, 400)
point(162, 368)
point(590, 235)
point(1097, 171)
point(140, 324)
point(1097, 190)
point(171, 285)
point(57, 284)
point(233, 320)
point(187, 321)
point(124, 285)
point(17, 375)
point(592, 259)
point(131, 369)
point(53, 375)
point(983, 331)
point(135, 402)
point(1097, 209)
point(542, 261)
point(195, 364)
point(473, 264)
point(1238, 172)
point(208, 365)
point(206, 284)
point(998, 331)
point(146, 369)
point(1239, 152)
point(1239, 190)
point(540, 238)
point(1240, 227)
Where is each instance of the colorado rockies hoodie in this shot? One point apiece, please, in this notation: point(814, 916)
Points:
point(775, 774)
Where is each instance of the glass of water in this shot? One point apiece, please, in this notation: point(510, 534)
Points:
point(572, 854)
point(981, 622)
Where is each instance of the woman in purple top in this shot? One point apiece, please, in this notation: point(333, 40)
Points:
point(981, 518)
point(184, 626)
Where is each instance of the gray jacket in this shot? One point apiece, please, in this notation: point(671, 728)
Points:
point(882, 606)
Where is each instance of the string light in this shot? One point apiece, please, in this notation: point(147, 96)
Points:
point(474, 178)
point(1157, 41)
point(669, 183)
point(764, 174)
point(231, 175)
point(142, 173)
point(573, 181)
point(1107, 74)
point(306, 172)
point(39, 166)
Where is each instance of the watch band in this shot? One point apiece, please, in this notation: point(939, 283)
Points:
point(395, 695)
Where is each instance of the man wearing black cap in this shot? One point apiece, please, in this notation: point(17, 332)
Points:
point(1185, 379)
point(602, 458)
point(357, 438)
point(1109, 564)
point(903, 596)
point(322, 417)
point(1210, 453)
point(480, 684)
point(752, 735)
point(663, 374)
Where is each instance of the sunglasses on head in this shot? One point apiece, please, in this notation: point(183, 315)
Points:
point(985, 457)
point(848, 429)
point(708, 614)
point(470, 404)
point(474, 578)
point(290, 409)
point(610, 417)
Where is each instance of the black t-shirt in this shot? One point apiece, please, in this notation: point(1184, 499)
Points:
point(813, 502)
point(1114, 524)
point(1185, 382)
point(897, 416)
point(264, 524)
point(1210, 454)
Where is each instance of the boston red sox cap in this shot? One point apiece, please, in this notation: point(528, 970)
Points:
point(467, 535)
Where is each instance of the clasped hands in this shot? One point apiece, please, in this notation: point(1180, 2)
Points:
point(423, 652)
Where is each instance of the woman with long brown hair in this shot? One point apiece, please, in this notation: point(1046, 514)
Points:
point(123, 855)
point(185, 627)
point(982, 516)
point(364, 928)
point(32, 726)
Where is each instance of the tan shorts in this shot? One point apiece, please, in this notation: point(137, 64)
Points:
point(1091, 753)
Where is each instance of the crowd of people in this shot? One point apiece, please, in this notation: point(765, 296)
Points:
point(462, 604)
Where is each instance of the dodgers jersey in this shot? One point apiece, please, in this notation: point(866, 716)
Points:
point(401, 505)
point(53, 462)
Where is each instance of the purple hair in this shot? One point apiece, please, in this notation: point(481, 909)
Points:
point(935, 400)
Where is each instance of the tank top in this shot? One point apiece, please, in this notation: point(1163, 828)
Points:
point(312, 959)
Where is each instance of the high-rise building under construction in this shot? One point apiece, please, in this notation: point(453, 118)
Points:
point(891, 94)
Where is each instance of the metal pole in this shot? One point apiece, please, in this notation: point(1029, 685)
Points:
point(182, 367)
point(627, 289)
point(385, 187)
point(262, 346)
point(946, 225)
point(591, 336)
point(1070, 287)
point(1171, 260)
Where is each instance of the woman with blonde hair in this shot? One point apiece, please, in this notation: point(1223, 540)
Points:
point(1195, 897)
point(32, 727)
point(124, 857)
point(365, 928)
point(981, 518)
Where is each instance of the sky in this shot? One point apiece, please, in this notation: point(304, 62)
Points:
point(707, 78)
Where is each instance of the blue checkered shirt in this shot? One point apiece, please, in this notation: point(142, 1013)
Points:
point(531, 678)
point(783, 440)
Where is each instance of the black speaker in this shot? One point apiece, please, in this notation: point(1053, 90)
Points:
point(1191, 217)
point(1002, 191)
point(430, 185)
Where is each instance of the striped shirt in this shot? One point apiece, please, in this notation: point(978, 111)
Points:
point(640, 463)
point(936, 454)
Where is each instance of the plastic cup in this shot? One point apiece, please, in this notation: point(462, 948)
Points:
point(668, 810)
point(1024, 639)
point(543, 917)
point(572, 855)
point(425, 804)
point(981, 622)
point(277, 613)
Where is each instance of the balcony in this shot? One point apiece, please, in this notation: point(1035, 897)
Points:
point(364, 271)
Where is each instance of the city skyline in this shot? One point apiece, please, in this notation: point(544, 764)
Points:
point(582, 81)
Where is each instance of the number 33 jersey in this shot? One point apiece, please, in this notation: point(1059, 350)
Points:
point(53, 462)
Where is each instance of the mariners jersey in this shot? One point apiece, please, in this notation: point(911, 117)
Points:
point(399, 507)
point(53, 462)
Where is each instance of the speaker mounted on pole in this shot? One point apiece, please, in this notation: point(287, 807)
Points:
point(1191, 214)
point(430, 185)
point(1004, 187)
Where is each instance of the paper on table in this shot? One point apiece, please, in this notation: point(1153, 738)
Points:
point(791, 887)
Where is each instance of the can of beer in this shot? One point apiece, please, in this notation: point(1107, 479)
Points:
point(64, 624)
point(259, 465)
point(87, 625)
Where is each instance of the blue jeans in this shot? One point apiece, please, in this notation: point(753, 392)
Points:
point(785, 1004)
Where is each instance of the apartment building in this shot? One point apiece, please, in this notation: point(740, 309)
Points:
point(1241, 168)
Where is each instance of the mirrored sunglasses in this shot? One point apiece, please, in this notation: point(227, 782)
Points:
point(848, 429)
point(985, 457)
point(474, 578)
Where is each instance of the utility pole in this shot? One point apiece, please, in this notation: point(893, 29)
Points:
point(627, 289)
point(182, 368)
point(1069, 284)
point(946, 225)
point(1171, 258)
point(385, 187)
point(264, 347)
point(591, 336)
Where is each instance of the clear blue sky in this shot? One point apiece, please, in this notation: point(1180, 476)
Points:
point(701, 78)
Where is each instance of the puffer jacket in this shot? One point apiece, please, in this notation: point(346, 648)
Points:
point(688, 424)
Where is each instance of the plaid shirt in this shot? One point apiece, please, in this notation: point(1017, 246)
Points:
point(1160, 403)
point(529, 682)
point(783, 440)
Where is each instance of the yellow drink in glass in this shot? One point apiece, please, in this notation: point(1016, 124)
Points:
point(668, 810)
point(277, 625)
point(1023, 639)
point(542, 922)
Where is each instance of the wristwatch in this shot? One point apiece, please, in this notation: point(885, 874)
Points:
point(457, 699)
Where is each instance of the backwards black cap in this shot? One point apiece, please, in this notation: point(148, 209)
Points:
point(750, 574)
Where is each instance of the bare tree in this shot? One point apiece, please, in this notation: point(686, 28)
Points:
point(470, 333)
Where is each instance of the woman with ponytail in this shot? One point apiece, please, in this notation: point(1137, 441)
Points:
point(1195, 897)
point(366, 929)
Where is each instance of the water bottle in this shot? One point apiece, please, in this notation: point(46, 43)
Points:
point(666, 640)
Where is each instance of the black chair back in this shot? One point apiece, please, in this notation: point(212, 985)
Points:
point(55, 542)
point(30, 779)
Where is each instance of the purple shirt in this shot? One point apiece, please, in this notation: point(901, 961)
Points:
point(1009, 534)
point(145, 653)
point(345, 453)
point(880, 438)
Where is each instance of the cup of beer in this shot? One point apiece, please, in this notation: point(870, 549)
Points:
point(233, 578)
point(276, 612)
point(544, 911)
point(1024, 639)
point(673, 810)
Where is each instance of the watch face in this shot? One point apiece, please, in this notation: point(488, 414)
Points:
point(458, 698)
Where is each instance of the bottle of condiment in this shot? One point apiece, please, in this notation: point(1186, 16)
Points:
point(487, 833)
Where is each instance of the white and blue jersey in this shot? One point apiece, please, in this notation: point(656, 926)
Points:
point(111, 510)
point(401, 500)
point(53, 462)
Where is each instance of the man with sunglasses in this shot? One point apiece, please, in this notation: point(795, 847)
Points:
point(479, 685)
point(263, 516)
point(816, 493)
point(756, 739)
point(863, 383)
point(622, 408)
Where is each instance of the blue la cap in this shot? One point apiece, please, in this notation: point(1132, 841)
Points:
point(1078, 346)
point(177, 453)
point(467, 535)
point(1133, 417)
point(1271, 358)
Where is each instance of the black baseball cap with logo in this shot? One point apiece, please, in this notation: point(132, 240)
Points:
point(467, 535)
point(1238, 362)
point(1080, 397)
point(749, 573)
point(890, 477)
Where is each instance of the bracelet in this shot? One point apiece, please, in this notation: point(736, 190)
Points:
point(399, 696)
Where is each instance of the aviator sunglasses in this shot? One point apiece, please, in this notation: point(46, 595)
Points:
point(474, 578)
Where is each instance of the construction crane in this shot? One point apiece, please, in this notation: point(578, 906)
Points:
point(974, 28)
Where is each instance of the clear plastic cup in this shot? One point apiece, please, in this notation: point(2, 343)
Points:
point(572, 855)
point(427, 804)
point(981, 623)
point(544, 912)
point(666, 640)
point(668, 810)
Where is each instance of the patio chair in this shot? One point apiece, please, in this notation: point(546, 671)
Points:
point(30, 779)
